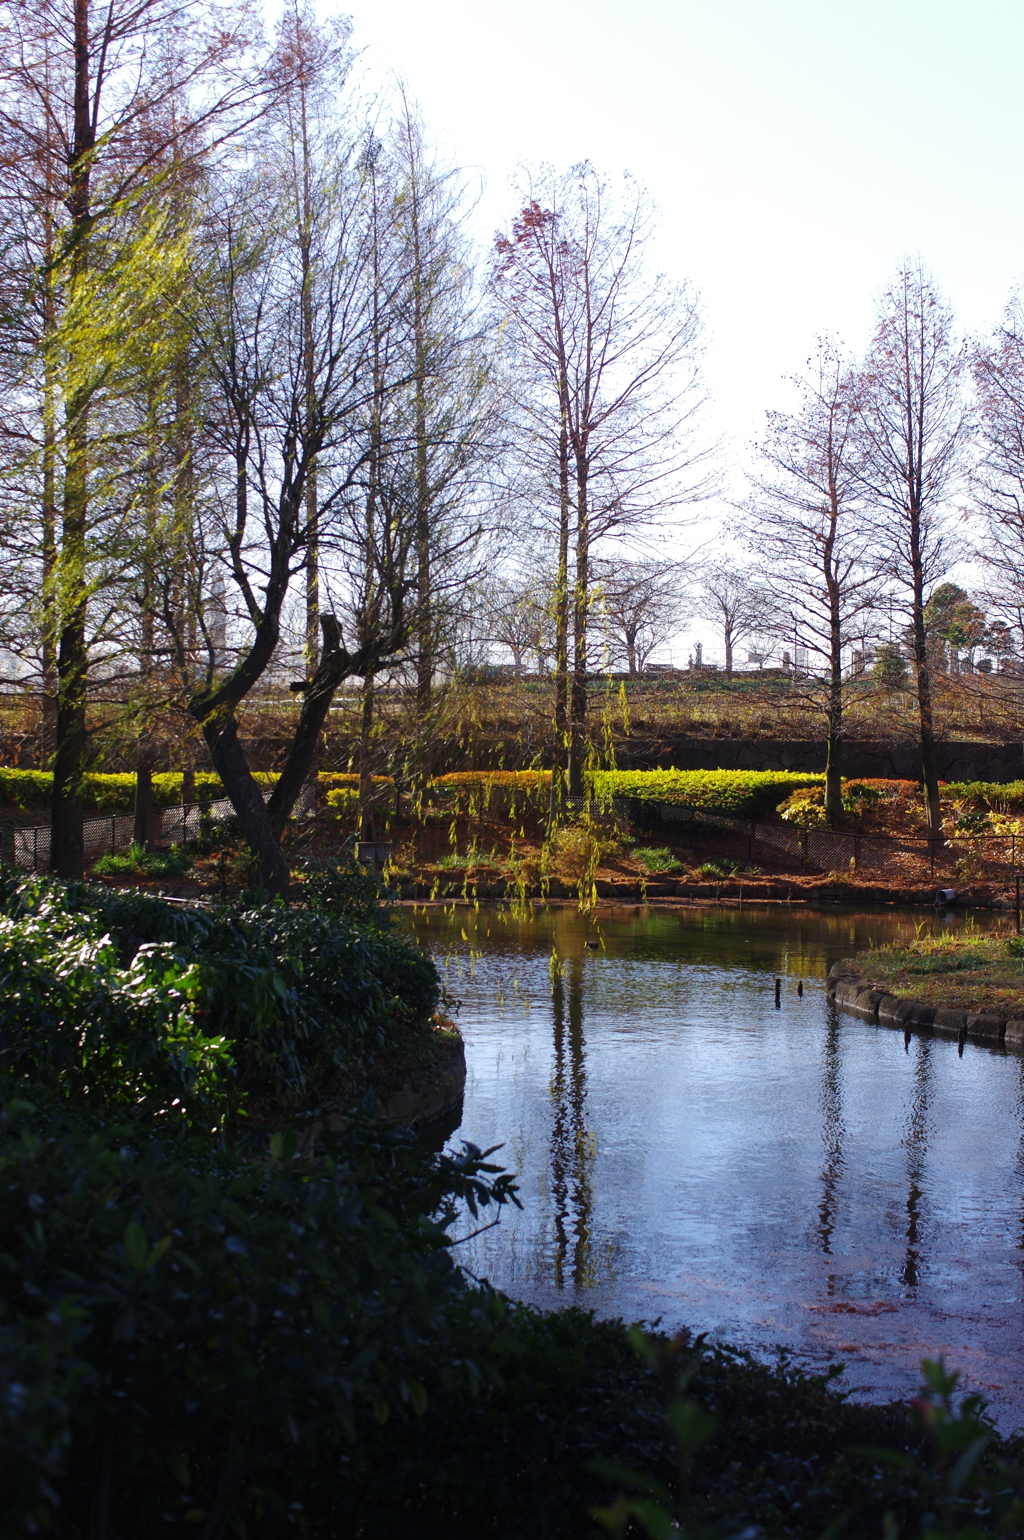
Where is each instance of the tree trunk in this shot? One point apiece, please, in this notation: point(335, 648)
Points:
point(48, 733)
point(926, 720)
point(142, 832)
point(728, 654)
point(834, 710)
point(581, 594)
point(221, 736)
point(311, 787)
point(67, 837)
point(556, 814)
point(67, 846)
point(834, 760)
point(67, 842)
point(367, 821)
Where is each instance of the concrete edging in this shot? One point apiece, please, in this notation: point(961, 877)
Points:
point(851, 991)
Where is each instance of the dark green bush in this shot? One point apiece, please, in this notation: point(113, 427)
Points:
point(121, 997)
point(190, 1337)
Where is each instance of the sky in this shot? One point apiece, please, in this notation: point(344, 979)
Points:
point(796, 151)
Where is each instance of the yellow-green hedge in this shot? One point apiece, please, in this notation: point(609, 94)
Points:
point(115, 793)
point(740, 793)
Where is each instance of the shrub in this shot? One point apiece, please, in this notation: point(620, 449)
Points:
point(741, 793)
point(115, 793)
point(337, 780)
point(25, 788)
point(195, 1338)
point(342, 800)
point(578, 849)
point(805, 808)
point(986, 795)
point(97, 1029)
point(657, 858)
point(122, 997)
point(498, 792)
point(147, 863)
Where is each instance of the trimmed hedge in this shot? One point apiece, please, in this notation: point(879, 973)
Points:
point(740, 793)
point(491, 791)
point(743, 793)
point(115, 793)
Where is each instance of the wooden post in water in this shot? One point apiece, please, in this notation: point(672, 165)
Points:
point(778, 993)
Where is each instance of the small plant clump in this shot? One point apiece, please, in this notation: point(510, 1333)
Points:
point(137, 861)
point(657, 858)
point(722, 867)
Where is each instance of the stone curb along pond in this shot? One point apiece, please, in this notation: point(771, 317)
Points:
point(852, 991)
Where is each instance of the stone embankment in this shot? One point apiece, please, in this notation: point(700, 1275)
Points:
point(848, 987)
point(750, 890)
point(433, 1090)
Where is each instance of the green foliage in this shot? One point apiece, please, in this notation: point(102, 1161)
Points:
point(740, 793)
point(501, 793)
point(345, 890)
point(721, 866)
point(805, 808)
point(342, 800)
point(118, 998)
point(98, 1029)
point(657, 858)
point(994, 796)
point(945, 1472)
point(195, 1338)
point(25, 788)
point(890, 667)
point(953, 616)
point(146, 863)
point(115, 793)
point(471, 861)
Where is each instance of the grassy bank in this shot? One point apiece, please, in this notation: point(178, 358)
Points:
point(966, 971)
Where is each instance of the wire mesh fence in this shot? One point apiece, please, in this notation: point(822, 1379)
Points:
point(982, 856)
point(29, 848)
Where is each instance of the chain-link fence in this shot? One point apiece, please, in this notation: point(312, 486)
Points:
point(29, 848)
point(983, 856)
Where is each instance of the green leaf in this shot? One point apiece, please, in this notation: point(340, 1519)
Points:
point(691, 1425)
point(136, 1246)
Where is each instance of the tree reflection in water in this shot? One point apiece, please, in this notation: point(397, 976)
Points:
point(915, 1142)
point(572, 1146)
point(833, 1132)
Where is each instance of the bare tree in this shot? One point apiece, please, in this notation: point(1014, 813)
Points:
point(518, 611)
point(605, 372)
point(740, 607)
point(89, 105)
point(807, 528)
point(916, 428)
point(998, 481)
point(643, 603)
point(283, 400)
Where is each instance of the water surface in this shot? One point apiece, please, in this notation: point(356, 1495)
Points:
point(687, 1152)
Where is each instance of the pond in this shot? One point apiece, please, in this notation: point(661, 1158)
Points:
point(687, 1152)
